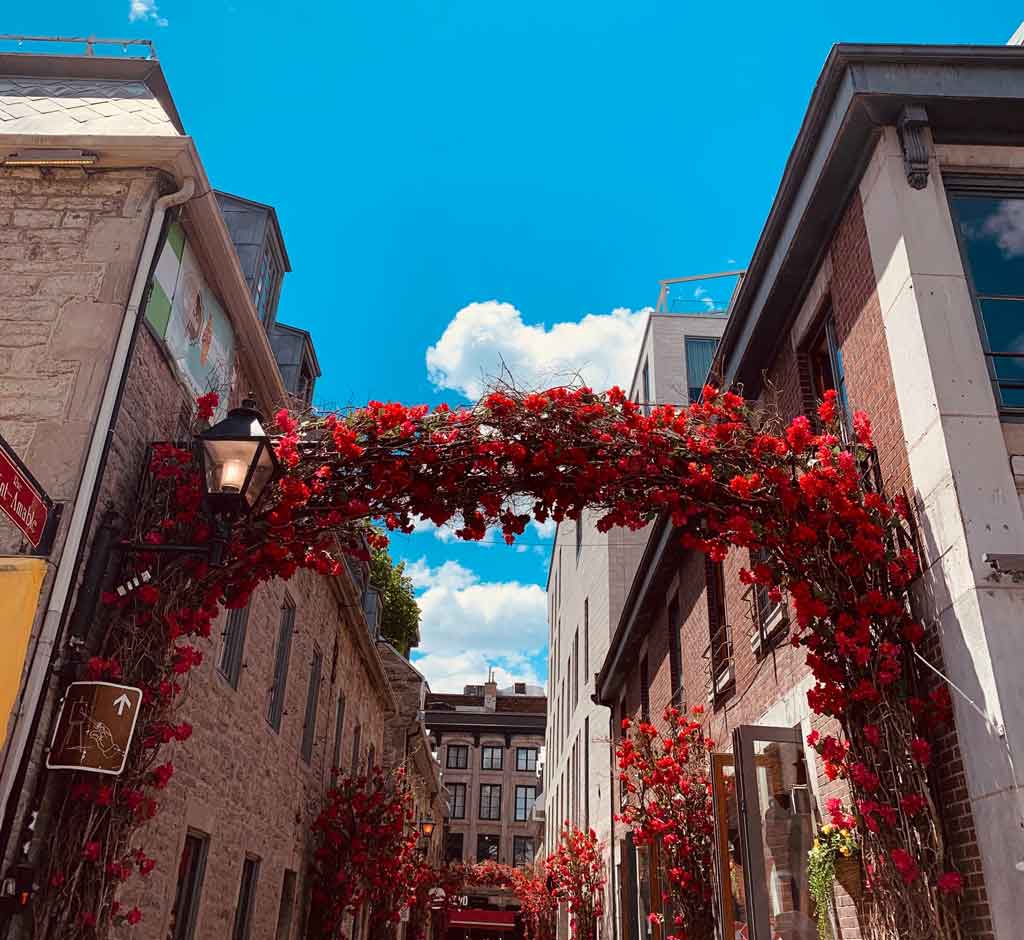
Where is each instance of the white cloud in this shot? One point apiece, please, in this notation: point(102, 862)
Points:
point(468, 625)
point(704, 297)
point(546, 529)
point(481, 337)
point(1007, 227)
point(144, 10)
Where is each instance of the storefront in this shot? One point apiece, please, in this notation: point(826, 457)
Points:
point(480, 924)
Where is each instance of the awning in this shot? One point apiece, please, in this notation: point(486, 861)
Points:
point(473, 917)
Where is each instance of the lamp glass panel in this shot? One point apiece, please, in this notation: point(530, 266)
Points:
point(226, 464)
point(261, 475)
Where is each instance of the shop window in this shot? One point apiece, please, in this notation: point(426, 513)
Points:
point(762, 848)
point(453, 846)
point(987, 219)
point(488, 848)
point(522, 851)
point(458, 756)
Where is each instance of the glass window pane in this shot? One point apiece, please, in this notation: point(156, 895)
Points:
point(1004, 325)
point(992, 231)
point(734, 892)
point(700, 353)
point(787, 832)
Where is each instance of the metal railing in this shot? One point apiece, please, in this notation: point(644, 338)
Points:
point(90, 43)
point(720, 668)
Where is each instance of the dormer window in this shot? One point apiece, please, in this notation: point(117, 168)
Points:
point(266, 283)
point(520, 688)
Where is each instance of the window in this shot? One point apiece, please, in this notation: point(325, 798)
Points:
point(522, 851)
point(986, 223)
point(371, 759)
point(645, 691)
point(453, 847)
point(579, 534)
point(230, 664)
point(645, 380)
point(191, 870)
point(356, 735)
point(312, 698)
point(700, 353)
point(491, 758)
point(264, 288)
point(675, 652)
point(586, 641)
point(821, 370)
point(719, 651)
point(339, 730)
point(287, 906)
point(526, 759)
point(586, 772)
point(769, 616)
point(487, 848)
point(284, 652)
point(490, 801)
point(520, 688)
point(458, 756)
point(458, 800)
point(525, 798)
point(246, 899)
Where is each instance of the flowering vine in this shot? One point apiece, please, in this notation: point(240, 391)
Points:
point(577, 872)
point(668, 803)
point(730, 476)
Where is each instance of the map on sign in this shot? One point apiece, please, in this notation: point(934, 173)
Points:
point(94, 727)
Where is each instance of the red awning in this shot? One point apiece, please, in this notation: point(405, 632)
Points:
point(473, 917)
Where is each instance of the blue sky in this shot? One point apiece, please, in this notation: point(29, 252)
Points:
point(558, 157)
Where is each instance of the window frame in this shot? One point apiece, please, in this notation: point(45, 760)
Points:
point(527, 750)
point(480, 836)
point(449, 836)
point(282, 660)
point(690, 387)
point(518, 841)
point(339, 731)
point(528, 803)
point(316, 668)
point(190, 888)
point(229, 663)
point(458, 787)
point(992, 187)
point(771, 621)
point(246, 904)
point(486, 749)
point(459, 748)
point(491, 805)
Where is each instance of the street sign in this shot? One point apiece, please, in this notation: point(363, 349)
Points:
point(95, 727)
point(22, 499)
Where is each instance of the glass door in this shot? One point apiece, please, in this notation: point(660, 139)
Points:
point(776, 829)
point(732, 892)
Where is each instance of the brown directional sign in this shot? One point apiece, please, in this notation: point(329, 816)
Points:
point(94, 727)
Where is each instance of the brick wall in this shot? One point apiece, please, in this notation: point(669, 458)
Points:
point(767, 680)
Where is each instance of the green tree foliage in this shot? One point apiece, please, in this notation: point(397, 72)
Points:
point(400, 614)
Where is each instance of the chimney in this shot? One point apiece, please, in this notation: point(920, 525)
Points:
point(490, 693)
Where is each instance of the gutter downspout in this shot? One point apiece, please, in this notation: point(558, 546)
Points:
point(85, 499)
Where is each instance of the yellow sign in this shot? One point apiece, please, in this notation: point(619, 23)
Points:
point(21, 579)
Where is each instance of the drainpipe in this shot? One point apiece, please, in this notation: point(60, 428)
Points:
point(612, 882)
point(84, 506)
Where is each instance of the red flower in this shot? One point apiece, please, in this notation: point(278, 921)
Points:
point(921, 750)
point(162, 775)
point(951, 882)
point(148, 594)
point(133, 916)
point(91, 852)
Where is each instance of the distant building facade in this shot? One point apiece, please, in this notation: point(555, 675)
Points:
point(490, 744)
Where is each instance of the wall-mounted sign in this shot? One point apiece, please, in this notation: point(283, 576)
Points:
point(22, 499)
point(21, 578)
point(95, 727)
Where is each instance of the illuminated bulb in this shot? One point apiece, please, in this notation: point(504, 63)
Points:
point(232, 476)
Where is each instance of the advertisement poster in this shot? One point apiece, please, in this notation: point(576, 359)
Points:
point(190, 320)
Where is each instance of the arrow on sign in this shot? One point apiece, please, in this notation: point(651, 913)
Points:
point(121, 703)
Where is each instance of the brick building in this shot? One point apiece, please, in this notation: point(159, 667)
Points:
point(490, 743)
point(889, 270)
point(588, 579)
point(128, 286)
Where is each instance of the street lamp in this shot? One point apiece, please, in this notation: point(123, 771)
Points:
point(237, 461)
point(427, 828)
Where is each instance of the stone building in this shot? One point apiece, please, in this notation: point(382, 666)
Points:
point(888, 270)
point(588, 579)
point(490, 742)
point(128, 285)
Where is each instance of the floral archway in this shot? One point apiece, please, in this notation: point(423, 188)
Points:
point(729, 475)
